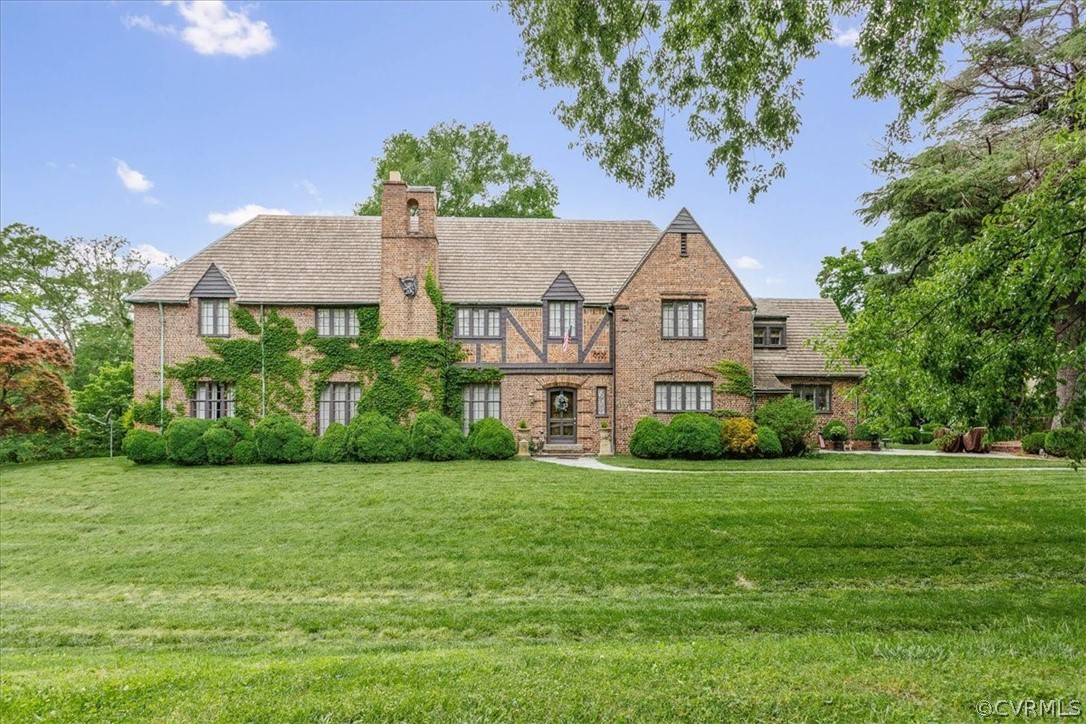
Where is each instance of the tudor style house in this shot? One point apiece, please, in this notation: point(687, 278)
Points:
point(588, 321)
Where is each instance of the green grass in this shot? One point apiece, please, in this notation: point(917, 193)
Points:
point(526, 591)
point(840, 461)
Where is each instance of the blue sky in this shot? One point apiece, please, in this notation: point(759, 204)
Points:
point(159, 122)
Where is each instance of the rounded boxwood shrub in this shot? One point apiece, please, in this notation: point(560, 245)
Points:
point(905, 435)
point(373, 438)
point(695, 436)
point(489, 439)
point(1066, 442)
point(185, 441)
point(651, 439)
point(1034, 442)
point(245, 453)
point(280, 439)
point(792, 419)
point(238, 425)
point(331, 447)
point(835, 430)
point(865, 431)
point(436, 437)
point(144, 447)
point(769, 445)
point(219, 442)
point(739, 436)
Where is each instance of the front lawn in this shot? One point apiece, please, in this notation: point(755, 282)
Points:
point(843, 461)
point(527, 591)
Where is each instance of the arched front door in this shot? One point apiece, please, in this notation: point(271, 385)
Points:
point(562, 415)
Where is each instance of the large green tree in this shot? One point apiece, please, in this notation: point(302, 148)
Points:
point(472, 169)
point(727, 70)
point(970, 306)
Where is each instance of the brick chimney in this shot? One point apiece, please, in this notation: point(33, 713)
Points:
point(408, 252)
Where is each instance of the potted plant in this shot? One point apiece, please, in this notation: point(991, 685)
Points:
point(836, 431)
point(867, 433)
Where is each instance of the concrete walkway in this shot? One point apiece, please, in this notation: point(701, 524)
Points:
point(588, 463)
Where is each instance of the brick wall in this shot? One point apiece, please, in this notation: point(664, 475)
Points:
point(524, 397)
point(407, 253)
point(643, 358)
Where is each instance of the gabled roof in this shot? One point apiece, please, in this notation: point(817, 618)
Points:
point(683, 223)
point(806, 319)
point(562, 288)
point(337, 260)
point(213, 284)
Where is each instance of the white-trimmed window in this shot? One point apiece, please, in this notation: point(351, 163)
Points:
point(475, 322)
point(481, 401)
point(684, 396)
point(817, 395)
point(214, 317)
point(213, 400)
point(561, 320)
point(682, 320)
point(338, 403)
point(337, 322)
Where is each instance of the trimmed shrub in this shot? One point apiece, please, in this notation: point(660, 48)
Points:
point(835, 430)
point(739, 436)
point(695, 436)
point(373, 438)
point(905, 435)
point(489, 439)
point(144, 447)
point(219, 442)
point(238, 425)
point(280, 439)
point(331, 447)
point(245, 453)
point(769, 445)
point(792, 419)
point(651, 439)
point(39, 446)
point(1001, 433)
point(185, 441)
point(925, 437)
point(1034, 442)
point(1066, 442)
point(436, 437)
point(865, 431)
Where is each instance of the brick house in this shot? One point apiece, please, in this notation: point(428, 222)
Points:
point(585, 320)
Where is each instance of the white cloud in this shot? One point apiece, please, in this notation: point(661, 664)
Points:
point(132, 179)
point(845, 37)
point(242, 214)
point(747, 262)
point(311, 189)
point(212, 28)
point(157, 260)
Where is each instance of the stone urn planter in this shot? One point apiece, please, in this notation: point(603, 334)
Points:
point(524, 435)
point(605, 438)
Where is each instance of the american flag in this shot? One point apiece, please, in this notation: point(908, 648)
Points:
point(565, 339)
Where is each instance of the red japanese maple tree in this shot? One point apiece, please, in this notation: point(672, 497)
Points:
point(33, 395)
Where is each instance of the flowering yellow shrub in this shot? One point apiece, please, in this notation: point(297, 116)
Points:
point(740, 437)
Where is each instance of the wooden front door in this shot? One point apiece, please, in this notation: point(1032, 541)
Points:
point(562, 416)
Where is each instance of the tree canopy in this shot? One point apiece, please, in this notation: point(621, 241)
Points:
point(472, 169)
point(33, 396)
point(729, 68)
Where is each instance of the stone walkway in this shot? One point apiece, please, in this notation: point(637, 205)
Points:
point(588, 463)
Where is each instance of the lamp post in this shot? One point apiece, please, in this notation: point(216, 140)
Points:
point(107, 421)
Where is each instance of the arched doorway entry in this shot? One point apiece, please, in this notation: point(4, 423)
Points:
point(562, 415)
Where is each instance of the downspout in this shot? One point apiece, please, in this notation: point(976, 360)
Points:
point(753, 386)
point(161, 366)
point(614, 381)
point(263, 376)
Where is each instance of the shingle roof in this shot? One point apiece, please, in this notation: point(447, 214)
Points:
point(807, 319)
point(683, 222)
point(337, 259)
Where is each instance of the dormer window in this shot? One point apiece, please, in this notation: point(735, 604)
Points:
point(769, 334)
point(562, 320)
point(413, 216)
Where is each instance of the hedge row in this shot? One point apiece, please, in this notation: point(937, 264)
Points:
point(778, 428)
point(369, 438)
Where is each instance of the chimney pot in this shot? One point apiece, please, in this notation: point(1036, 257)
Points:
point(394, 176)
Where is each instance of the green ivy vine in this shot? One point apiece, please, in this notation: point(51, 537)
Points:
point(397, 377)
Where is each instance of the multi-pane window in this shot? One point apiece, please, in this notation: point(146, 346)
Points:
point(561, 319)
point(213, 400)
point(478, 322)
point(601, 402)
point(481, 401)
point(215, 317)
point(769, 334)
point(334, 322)
point(683, 320)
point(817, 395)
point(684, 396)
point(338, 403)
